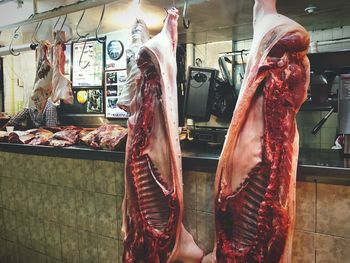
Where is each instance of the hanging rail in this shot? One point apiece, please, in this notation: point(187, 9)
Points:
point(59, 11)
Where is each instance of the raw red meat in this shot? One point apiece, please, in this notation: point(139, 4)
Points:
point(153, 203)
point(107, 137)
point(22, 137)
point(42, 137)
point(255, 179)
point(61, 86)
point(67, 137)
point(42, 85)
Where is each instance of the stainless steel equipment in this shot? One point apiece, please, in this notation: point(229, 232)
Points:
point(344, 110)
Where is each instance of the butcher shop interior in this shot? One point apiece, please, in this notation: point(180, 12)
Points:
point(174, 131)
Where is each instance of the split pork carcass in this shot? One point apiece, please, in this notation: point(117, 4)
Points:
point(43, 78)
point(255, 179)
point(61, 86)
point(139, 36)
point(153, 203)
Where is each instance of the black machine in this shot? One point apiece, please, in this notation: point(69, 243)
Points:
point(209, 102)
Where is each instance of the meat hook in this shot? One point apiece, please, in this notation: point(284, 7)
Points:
point(60, 30)
point(34, 40)
point(58, 20)
point(186, 22)
point(15, 35)
point(100, 40)
point(76, 28)
point(81, 56)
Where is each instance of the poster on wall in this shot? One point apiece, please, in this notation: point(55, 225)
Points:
point(116, 44)
point(94, 101)
point(115, 81)
point(87, 63)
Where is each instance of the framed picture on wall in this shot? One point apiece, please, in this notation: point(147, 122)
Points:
point(88, 64)
point(114, 82)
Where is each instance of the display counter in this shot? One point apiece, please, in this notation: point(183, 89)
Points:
point(64, 204)
point(321, 165)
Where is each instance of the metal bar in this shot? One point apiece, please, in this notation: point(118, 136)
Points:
point(334, 41)
point(234, 53)
point(4, 51)
point(59, 11)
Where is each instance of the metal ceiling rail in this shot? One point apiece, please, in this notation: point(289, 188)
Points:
point(59, 11)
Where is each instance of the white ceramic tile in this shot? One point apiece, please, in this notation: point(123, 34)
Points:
point(337, 33)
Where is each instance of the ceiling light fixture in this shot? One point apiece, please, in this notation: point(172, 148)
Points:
point(310, 9)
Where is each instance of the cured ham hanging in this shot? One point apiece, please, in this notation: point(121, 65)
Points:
point(255, 179)
point(153, 203)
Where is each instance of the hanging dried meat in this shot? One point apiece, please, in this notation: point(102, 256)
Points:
point(153, 203)
point(255, 179)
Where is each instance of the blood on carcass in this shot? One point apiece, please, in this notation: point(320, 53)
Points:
point(255, 179)
point(43, 78)
point(153, 203)
point(61, 86)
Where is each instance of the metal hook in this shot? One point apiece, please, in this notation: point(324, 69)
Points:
point(167, 13)
point(81, 56)
point(10, 46)
point(34, 40)
point(101, 40)
point(60, 30)
point(58, 35)
point(186, 22)
point(54, 27)
point(76, 28)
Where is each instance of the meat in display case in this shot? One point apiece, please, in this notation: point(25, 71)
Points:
point(115, 80)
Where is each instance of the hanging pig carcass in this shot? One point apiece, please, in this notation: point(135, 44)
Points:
point(153, 203)
point(255, 179)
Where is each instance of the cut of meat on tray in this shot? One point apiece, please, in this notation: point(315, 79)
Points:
point(42, 137)
point(33, 137)
point(107, 137)
point(21, 137)
point(255, 179)
point(67, 137)
point(153, 202)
